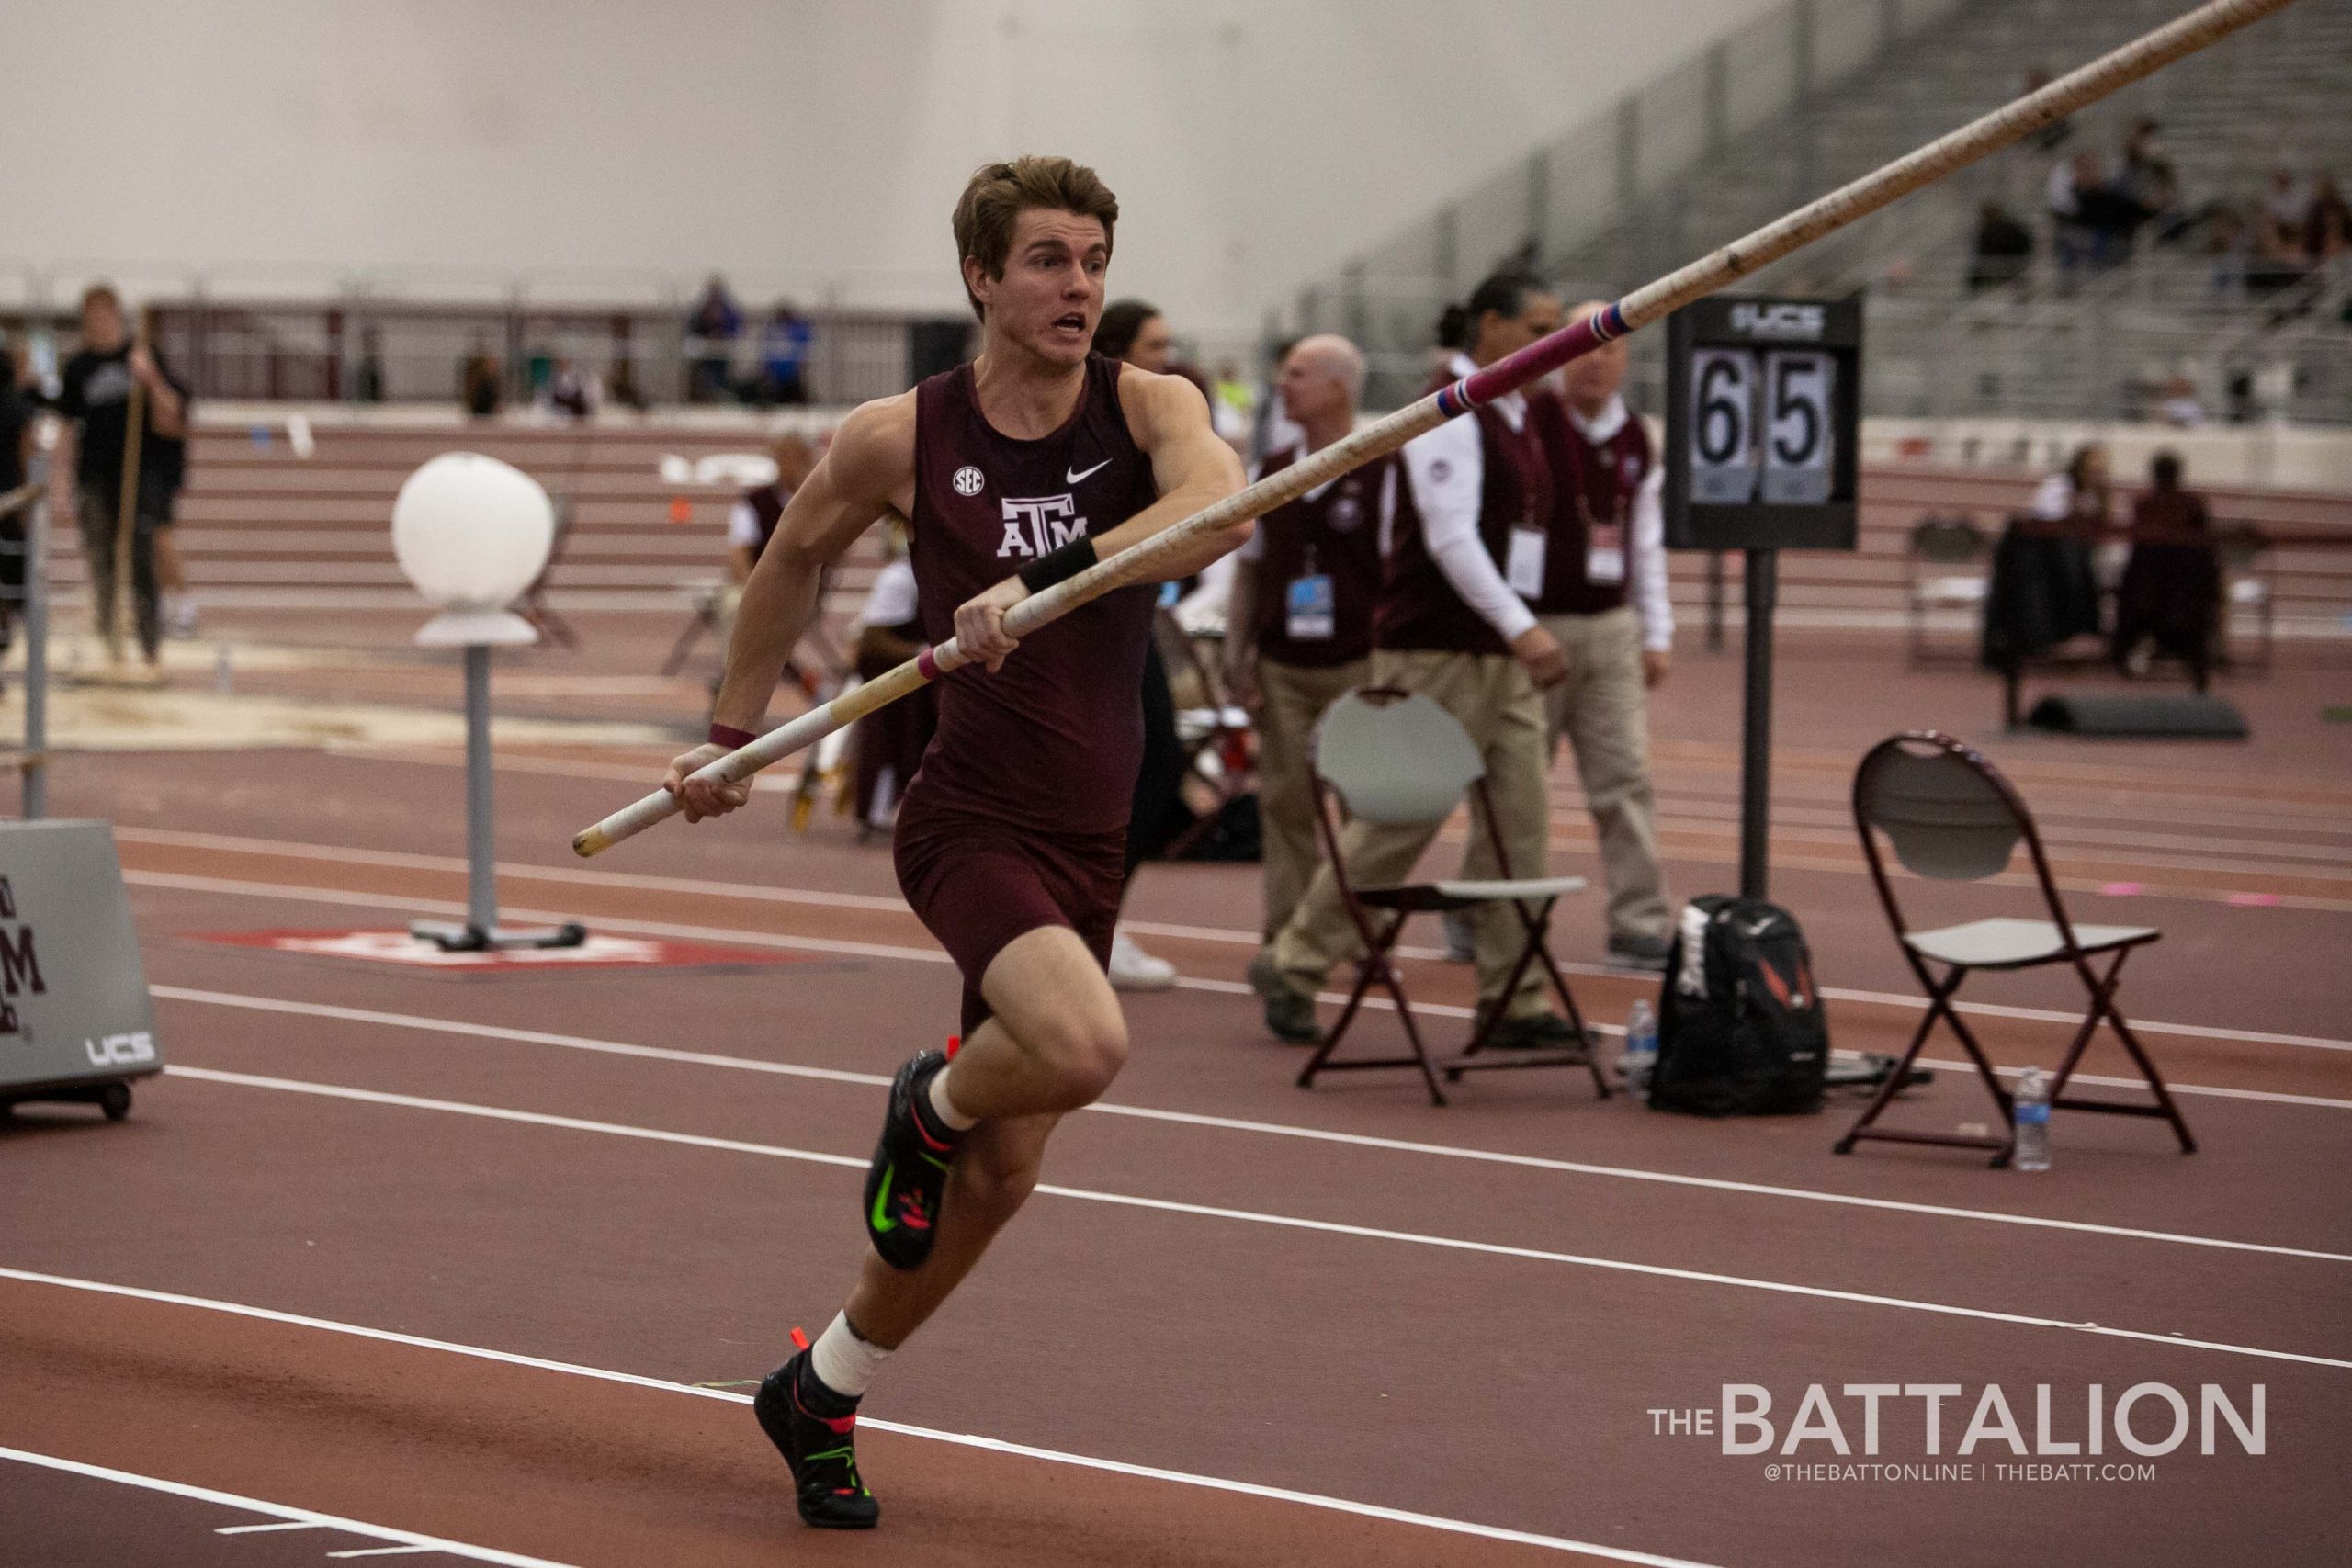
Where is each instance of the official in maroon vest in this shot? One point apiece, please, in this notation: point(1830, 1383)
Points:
point(1465, 554)
point(1298, 620)
point(1604, 600)
point(1013, 472)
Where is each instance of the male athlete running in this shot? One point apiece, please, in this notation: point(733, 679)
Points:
point(1013, 472)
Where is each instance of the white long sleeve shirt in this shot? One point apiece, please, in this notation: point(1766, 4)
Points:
point(1447, 471)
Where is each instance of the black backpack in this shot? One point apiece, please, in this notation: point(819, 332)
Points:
point(1740, 1027)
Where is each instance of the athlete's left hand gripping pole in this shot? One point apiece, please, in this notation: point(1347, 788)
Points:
point(1979, 137)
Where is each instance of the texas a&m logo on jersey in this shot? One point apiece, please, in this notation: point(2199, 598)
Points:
point(1036, 525)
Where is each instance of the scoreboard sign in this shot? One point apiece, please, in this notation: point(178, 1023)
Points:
point(1763, 424)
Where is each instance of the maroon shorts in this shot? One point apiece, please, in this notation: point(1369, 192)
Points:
point(976, 884)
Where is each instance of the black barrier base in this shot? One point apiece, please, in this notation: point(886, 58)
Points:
point(2154, 716)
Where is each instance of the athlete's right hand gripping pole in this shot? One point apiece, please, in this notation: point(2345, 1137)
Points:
point(1978, 138)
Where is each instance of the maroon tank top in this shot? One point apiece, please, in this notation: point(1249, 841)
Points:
point(1052, 740)
point(1418, 608)
point(1330, 534)
point(1593, 486)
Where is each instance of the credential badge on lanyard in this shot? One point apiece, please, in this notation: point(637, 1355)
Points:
point(1311, 606)
point(1604, 545)
point(1523, 565)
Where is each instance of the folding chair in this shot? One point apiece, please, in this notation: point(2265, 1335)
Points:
point(1391, 757)
point(533, 606)
point(1952, 816)
point(1947, 563)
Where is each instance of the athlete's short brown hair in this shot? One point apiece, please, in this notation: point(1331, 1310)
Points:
point(999, 192)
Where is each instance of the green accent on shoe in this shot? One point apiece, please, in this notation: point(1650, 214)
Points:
point(877, 1218)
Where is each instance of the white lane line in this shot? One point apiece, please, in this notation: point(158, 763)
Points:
point(300, 893)
point(801, 896)
point(381, 1552)
point(301, 1518)
point(1221, 1123)
point(961, 1440)
point(260, 1529)
point(1245, 1216)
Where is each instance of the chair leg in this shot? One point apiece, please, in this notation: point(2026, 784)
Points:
point(1376, 968)
point(1939, 995)
point(2102, 989)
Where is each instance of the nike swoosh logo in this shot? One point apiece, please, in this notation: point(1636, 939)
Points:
point(1071, 479)
point(880, 1221)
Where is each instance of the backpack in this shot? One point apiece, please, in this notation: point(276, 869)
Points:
point(1741, 1032)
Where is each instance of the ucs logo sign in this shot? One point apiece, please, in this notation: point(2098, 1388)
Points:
point(131, 1050)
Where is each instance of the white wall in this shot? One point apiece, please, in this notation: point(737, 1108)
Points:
point(280, 144)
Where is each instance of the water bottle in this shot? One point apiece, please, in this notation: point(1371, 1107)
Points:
point(2031, 1109)
point(1640, 1049)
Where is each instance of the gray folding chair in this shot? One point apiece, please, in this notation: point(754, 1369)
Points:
point(1392, 756)
point(1952, 816)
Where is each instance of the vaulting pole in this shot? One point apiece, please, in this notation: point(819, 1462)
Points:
point(1977, 140)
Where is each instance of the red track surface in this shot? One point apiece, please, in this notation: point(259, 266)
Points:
point(1467, 1314)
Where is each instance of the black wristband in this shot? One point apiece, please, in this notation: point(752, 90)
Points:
point(1059, 566)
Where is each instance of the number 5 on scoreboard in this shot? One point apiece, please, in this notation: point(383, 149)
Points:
point(1799, 440)
point(1722, 427)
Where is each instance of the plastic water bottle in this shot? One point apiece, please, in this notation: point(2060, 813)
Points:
point(1641, 1048)
point(2032, 1112)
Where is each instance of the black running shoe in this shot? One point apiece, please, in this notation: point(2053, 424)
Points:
point(908, 1176)
point(821, 1449)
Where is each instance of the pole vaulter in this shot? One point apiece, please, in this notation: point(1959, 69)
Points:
point(1979, 139)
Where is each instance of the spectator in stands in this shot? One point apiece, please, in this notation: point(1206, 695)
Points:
point(2148, 181)
point(711, 331)
point(94, 400)
point(889, 743)
point(783, 358)
point(2004, 249)
point(2286, 210)
point(2171, 591)
point(2072, 238)
point(2180, 407)
point(1299, 623)
point(482, 380)
point(569, 391)
point(1137, 334)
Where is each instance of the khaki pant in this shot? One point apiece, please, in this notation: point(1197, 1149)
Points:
point(1602, 712)
point(1295, 697)
point(1500, 707)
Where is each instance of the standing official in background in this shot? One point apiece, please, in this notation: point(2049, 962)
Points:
point(1298, 625)
point(1604, 600)
point(1463, 556)
point(94, 400)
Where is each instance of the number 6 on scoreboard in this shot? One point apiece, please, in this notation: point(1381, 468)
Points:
point(1799, 440)
point(1723, 421)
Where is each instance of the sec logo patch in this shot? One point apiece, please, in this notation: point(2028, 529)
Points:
point(968, 481)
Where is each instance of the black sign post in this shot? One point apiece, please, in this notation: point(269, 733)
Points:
point(1763, 430)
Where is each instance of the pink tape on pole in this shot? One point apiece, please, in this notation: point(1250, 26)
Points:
point(927, 664)
point(1538, 359)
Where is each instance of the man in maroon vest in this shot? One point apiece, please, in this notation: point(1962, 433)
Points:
point(1604, 600)
point(1012, 472)
point(1298, 620)
point(1463, 556)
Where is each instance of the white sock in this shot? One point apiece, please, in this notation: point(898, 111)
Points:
point(944, 1108)
point(842, 1361)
